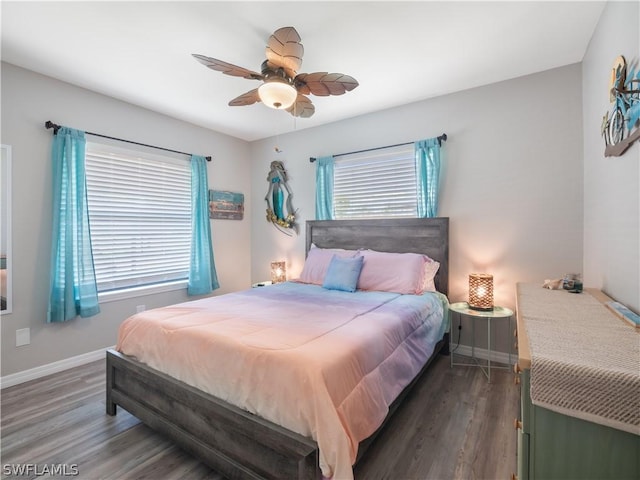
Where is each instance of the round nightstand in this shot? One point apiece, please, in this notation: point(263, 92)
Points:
point(462, 308)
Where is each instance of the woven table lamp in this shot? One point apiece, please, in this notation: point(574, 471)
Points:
point(481, 291)
point(278, 272)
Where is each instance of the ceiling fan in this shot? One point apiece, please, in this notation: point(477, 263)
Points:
point(283, 88)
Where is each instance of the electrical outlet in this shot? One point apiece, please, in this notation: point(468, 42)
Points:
point(23, 337)
point(140, 308)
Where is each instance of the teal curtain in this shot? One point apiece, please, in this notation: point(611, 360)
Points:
point(324, 188)
point(73, 289)
point(427, 155)
point(203, 278)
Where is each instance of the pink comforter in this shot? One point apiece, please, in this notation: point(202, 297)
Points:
point(325, 364)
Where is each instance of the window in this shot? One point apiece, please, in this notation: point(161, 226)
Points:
point(139, 215)
point(376, 184)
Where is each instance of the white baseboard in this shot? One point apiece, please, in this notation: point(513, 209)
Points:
point(483, 354)
point(55, 367)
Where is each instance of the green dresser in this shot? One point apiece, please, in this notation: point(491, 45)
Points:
point(559, 445)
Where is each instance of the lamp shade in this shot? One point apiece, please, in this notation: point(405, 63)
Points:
point(278, 272)
point(277, 93)
point(481, 291)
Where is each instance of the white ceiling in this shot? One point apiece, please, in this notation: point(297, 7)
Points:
point(400, 52)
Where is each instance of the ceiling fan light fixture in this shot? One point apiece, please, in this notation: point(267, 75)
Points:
point(277, 93)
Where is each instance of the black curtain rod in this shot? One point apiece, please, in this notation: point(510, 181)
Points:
point(441, 138)
point(49, 124)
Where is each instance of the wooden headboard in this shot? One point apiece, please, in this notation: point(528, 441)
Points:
point(429, 236)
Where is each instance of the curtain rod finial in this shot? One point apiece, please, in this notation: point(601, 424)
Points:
point(49, 124)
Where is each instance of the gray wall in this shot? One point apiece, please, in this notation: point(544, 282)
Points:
point(28, 100)
point(512, 183)
point(611, 184)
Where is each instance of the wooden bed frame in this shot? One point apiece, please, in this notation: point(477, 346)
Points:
point(236, 443)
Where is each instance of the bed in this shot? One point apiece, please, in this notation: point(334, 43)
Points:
point(241, 444)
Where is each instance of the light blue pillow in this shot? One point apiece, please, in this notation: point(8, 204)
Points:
point(343, 273)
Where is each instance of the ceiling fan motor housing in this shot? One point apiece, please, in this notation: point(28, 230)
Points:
point(269, 72)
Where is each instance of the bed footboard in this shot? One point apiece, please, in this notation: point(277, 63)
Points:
point(232, 441)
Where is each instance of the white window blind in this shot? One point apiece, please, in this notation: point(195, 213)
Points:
point(139, 215)
point(375, 184)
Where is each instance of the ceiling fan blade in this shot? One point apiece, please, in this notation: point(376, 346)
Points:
point(324, 84)
point(227, 68)
point(285, 50)
point(302, 107)
point(248, 98)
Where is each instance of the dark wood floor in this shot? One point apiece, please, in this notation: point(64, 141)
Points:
point(453, 425)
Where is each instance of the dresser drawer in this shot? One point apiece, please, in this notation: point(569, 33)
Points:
point(525, 401)
point(523, 456)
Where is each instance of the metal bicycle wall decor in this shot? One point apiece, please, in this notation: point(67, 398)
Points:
point(621, 125)
point(280, 210)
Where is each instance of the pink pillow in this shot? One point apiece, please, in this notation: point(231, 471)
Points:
point(317, 262)
point(393, 272)
point(430, 269)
